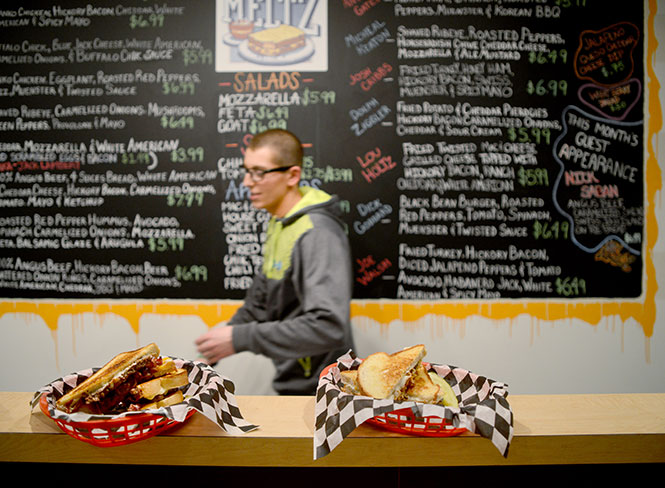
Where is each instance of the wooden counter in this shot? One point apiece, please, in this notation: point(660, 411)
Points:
point(549, 429)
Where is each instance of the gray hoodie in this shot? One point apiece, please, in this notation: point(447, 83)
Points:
point(297, 310)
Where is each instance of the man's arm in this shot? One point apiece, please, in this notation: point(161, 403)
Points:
point(217, 343)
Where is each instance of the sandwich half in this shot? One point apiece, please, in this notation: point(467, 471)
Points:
point(157, 390)
point(383, 375)
point(164, 401)
point(420, 388)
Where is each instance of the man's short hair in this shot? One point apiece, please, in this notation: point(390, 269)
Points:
point(286, 146)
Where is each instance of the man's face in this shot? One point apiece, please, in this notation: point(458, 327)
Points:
point(268, 193)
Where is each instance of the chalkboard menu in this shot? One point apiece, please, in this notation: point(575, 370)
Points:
point(481, 149)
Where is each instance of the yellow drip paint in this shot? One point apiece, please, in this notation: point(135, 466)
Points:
point(643, 311)
point(210, 313)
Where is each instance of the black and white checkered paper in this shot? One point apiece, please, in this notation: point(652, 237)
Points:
point(208, 393)
point(483, 408)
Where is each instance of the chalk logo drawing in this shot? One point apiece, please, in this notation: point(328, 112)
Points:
point(269, 35)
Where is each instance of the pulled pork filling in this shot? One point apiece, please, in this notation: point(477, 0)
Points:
point(115, 391)
point(400, 394)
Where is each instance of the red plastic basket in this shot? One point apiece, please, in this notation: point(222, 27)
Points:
point(404, 421)
point(114, 432)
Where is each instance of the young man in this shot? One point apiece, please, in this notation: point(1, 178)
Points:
point(297, 310)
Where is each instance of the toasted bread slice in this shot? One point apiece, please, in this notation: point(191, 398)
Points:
point(108, 376)
point(446, 395)
point(167, 401)
point(168, 366)
point(383, 375)
point(350, 382)
point(160, 385)
point(421, 388)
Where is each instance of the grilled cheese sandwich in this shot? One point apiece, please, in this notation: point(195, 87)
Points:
point(382, 375)
point(400, 376)
point(277, 40)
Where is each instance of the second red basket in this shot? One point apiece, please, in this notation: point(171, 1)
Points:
point(113, 432)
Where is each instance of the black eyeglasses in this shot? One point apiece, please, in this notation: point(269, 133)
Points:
point(258, 174)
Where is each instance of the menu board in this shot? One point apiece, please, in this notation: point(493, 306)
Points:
point(481, 149)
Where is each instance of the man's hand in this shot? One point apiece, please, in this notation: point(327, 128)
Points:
point(216, 344)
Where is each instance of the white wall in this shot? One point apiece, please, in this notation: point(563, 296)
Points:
point(531, 355)
point(32, 354)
